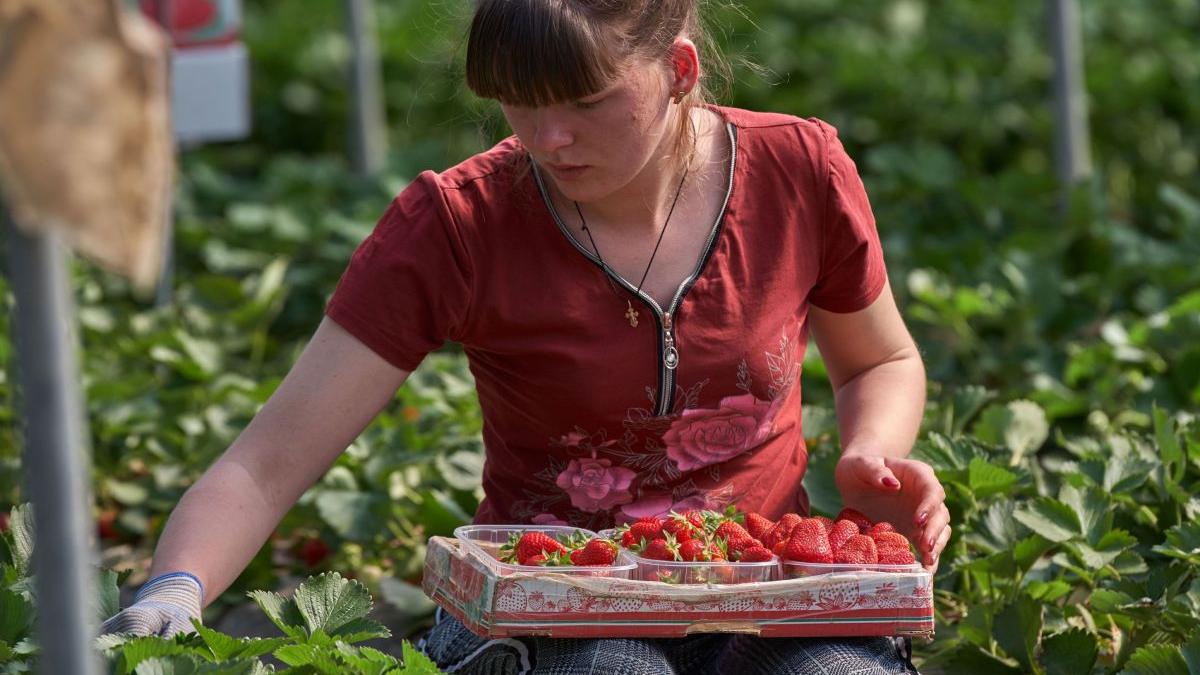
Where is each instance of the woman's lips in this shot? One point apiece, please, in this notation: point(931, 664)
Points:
point(567, 171)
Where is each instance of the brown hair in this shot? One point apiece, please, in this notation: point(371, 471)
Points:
point(541, 52)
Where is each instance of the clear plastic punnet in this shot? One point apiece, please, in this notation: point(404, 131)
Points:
point(795, 570)
point(486, 540)
point(699, 572)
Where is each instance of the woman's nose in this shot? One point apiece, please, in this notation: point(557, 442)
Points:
point(551, 132)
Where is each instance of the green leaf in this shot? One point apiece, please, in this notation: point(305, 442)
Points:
point(1069, 653)
point(1156, 660)
point(986, 479)
point(225, 647)
point(462, 470)
point(21, 527)
point(1017, 628)
point(281, 611)
point(175, 665)
point(1183, 541)
point(140, 649)
point(1168, 445)
point(1020, 426)
point(407, 598)
point(109, 593)
point(1092, 506)
point(946, 454)
point(329, 602)
point(968, 658)
point(1191, 653)
point(415, 662)
point(1050, 518)
point(16, 614)
point(357, 516)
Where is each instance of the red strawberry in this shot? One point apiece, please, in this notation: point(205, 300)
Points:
point(529, 544)
point(596, 552)
point(737, 539)
point(896, 556)
point(863, 522)
point(3, 521)
point(782, 530)
point(694, 549)
point(696, 518)
point(758, 525)
point(808, 543)
point(646, 528)
point(826, 522)
point(716, 553)
point(540, 559)
point(679, 527)
point(858, 550)
point(881, 526)
point(893, 549)
point(842, 530)
point(756, 554)
point(661, 549)
point(106, 523)
point(627, 539)
point(313, 551)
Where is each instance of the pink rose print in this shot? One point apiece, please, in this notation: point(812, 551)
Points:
point(595, 484)
point(548, 519)
point(660, 505)
point(701, 437)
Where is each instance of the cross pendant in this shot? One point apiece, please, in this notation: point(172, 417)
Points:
point(631, 314)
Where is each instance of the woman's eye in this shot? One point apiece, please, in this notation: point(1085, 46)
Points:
point(587, 105)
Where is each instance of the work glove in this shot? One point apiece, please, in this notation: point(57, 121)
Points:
point(164, 606)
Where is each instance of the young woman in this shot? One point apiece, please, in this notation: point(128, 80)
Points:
point(634, 275)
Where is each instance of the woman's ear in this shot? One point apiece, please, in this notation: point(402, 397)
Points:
point(685, 67)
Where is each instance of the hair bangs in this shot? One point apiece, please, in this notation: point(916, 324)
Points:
point(535, 53)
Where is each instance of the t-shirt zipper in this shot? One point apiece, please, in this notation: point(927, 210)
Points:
point(668, 352)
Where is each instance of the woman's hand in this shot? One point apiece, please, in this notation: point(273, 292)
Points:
point(904, 492)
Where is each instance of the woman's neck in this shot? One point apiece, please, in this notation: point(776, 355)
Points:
point(645, 201)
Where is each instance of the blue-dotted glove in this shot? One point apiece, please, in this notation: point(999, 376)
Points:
point(164, 606)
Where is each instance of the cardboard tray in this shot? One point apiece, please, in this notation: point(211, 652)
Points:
point(467, 586)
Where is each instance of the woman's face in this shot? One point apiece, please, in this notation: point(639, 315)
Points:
point(597, 145)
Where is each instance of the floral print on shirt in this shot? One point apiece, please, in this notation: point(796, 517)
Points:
point(653, 468)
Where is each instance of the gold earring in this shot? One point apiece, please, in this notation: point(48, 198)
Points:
point(679, 96)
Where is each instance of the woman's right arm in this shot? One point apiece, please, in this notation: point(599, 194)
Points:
point(330, 395)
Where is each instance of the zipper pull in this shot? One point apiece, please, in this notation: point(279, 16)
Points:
point(670, 354)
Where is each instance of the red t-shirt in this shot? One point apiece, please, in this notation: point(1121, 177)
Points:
point(575, 427)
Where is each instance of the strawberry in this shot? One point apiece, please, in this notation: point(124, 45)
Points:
point(826, 522)
point(893, 549)
point(863, 522)
point(521, 548)
point(758, 525)
point(694, 549)
point(808, 543)
point(646, 528)
point(596, 552)
point(737, 539)
point(842, 530)
point(896, 556)
point(782, 530)
point(756, 554)
point(696, 518)
point(680, 527)
point(881, 526)
point(313, 551)
point(717, 553)
point(3, 521)
point(859, 549)
point(661, 549)
point(540, 559)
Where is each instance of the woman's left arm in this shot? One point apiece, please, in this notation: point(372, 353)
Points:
point(879, 387)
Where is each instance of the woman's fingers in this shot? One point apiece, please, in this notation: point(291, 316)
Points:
point(939, 519)
point(939, 544)
point(873, 471)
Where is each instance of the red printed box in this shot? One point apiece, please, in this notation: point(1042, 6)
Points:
point(469, 586)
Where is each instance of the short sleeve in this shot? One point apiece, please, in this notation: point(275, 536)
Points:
point(852, 272)
point(407, 287)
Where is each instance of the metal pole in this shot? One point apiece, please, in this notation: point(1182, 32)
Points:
point(55, 454)
point(165, 11)
point(368, 142)
point(1072, 154)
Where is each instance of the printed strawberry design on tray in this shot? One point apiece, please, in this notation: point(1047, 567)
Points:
point(851, 542)
point(698, 547)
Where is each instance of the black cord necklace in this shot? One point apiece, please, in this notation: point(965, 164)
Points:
point(631, 313)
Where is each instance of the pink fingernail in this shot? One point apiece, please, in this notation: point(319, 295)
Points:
point(891, 482)
point(923, 517)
